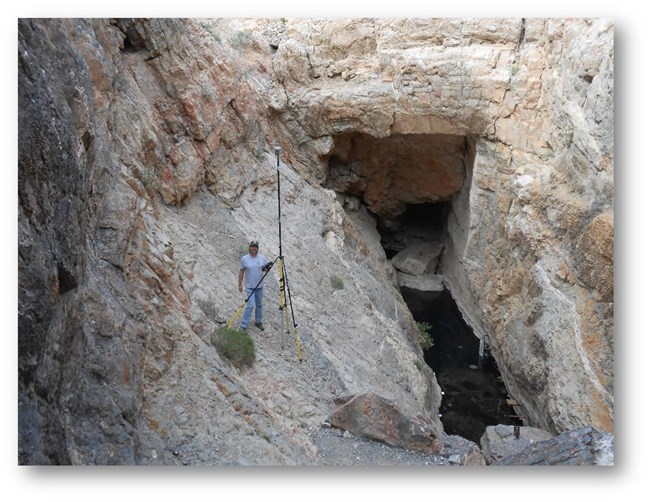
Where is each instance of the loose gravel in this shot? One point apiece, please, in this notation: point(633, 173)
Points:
point(340, 448)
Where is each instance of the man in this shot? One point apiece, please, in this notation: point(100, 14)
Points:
point(253, 266)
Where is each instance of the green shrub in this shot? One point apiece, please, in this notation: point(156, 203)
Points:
point(336, 282)
point(241, 39)
point(424, 337)
point(235, 345)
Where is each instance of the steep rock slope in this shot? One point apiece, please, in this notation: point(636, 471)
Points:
point(143, 174)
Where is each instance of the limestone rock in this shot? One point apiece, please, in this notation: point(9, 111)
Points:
point(500, 441)
point(594, 256)
point(466, 452)
point(427, 282)
point(418, 259)
point(371, 416)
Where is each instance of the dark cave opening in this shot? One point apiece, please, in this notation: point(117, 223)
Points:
point(67, 281)
point(474, 394)
point(419, 223)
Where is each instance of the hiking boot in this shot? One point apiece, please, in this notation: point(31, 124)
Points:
point(260, 326)
point(243, 328)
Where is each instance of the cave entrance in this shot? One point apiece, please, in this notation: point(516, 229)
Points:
point(417, 188)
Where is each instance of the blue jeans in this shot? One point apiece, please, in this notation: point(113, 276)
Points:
point(256, 301)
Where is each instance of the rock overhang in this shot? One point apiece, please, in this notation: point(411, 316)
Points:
point(393, 172)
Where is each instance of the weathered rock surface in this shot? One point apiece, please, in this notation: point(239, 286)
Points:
point(397, 170)
point(462, 451)
point(501, 441)
point(585, 446)
point(427, 282)
point(371, 416)
point(146, 164)
point(141, 180)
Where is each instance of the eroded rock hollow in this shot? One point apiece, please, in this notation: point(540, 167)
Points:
point(390, 173)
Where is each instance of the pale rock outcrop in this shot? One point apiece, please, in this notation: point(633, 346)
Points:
point(416, 266)
point(418, 259)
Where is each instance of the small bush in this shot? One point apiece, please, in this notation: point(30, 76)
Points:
point(336, 282)
point(424, 337)
point(235, 345)
point(241, 39)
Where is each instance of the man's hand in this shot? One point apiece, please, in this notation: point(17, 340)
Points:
point(241, 289)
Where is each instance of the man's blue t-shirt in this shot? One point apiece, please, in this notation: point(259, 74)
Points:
point(252, 268)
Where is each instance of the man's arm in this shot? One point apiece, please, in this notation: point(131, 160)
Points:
point(241, 279)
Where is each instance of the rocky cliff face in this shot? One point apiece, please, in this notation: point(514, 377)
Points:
point(146, 164)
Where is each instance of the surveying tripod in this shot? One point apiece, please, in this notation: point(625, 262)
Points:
point(285, 291)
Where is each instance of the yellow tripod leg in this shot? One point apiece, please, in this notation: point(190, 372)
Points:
point(233, 318)
point(283, 306)
point(298, 349)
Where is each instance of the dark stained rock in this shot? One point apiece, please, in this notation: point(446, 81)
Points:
point(585, 446)
point(398, 170)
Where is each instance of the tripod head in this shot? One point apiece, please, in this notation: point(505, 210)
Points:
point(278, 151)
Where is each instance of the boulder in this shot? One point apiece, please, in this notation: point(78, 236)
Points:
point(418, 259)
point(374, 417)
point(428, 282)
point(465, 452)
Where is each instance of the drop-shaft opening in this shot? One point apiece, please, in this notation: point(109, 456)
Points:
point(474, 394)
